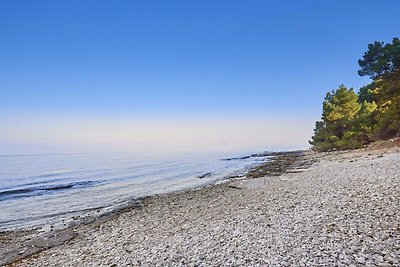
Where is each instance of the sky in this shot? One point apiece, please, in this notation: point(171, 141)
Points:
point(179, 75)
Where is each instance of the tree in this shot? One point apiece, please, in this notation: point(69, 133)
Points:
point(362, 127)
point(387, 92)
point(350, 120)
point(382, 63)
point(340, 108)
point(380, 60)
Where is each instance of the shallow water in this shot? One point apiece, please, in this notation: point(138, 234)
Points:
point(36, 188)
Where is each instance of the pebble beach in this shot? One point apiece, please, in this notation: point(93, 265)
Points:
point(326, 209)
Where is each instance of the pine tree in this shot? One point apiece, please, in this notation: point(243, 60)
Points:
point(340, 108)
point(382, 64)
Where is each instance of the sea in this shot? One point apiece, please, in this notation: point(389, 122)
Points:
point(46, 189)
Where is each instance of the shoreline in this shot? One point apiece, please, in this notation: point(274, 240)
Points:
point(186, 201)
point(42, 237)
point(191, 179)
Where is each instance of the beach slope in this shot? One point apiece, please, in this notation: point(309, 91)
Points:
point(342, 210)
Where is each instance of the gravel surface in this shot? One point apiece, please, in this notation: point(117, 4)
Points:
point(343, 211)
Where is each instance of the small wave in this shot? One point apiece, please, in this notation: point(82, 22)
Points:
point(40, 190)
point(48, 181)
point(237, 158)
point(15, 191)
point(204, 175)
point(53, 173)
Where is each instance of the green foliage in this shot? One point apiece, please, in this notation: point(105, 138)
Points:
point(349, 120)
point(361, 132)
point(382, 63)
point(388, 99)
point(381, 59)
point(340, 108)
point(322, 138)
point(366, 93)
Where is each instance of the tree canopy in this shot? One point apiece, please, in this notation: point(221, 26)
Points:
point(381, 59)
point(351, 120)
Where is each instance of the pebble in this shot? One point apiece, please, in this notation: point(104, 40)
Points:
point(338, 213)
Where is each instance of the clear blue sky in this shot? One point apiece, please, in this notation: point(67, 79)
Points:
point(108, 60)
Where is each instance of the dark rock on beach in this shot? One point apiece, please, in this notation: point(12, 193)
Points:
point(280, 163)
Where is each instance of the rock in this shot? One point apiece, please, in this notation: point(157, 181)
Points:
point(334, 214)
point(360, 260)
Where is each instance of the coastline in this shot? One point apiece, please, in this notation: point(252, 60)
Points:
point(22, 243)
point(175, 214)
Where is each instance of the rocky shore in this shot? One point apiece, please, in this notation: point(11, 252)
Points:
point(302, 209)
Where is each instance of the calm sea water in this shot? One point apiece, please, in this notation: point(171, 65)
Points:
point(36, 189)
